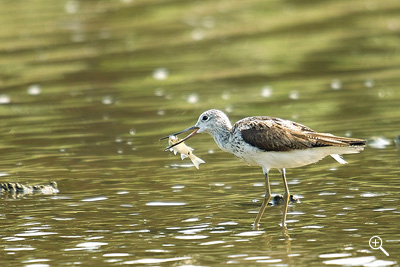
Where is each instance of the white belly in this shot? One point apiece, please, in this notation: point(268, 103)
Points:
point(291, 159)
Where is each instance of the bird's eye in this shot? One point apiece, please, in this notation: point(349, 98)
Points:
point(204, 118)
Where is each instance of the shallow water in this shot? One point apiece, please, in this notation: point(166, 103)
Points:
point(88, 88)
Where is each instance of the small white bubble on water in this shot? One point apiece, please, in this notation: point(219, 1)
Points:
point(71, 7)
point(161, 112)
point(34, 89)
point(159, 92)
point(266, 91)
point(197, 34)
point(369, 83)
point(78, 37)
point(107, 100)
point(336, 84)
point(208, 22)
point(132, 131)
point(192, 98)
point(228, 109)
point(5, 99)
point(384, 93)
point(160, 74)
point(294, 95)
point(226, 95)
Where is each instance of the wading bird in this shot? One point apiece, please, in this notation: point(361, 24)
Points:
point(272, 143)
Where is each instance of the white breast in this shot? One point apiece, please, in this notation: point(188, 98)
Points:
point(290, 159)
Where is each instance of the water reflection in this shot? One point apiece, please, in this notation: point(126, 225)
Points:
point(88, 88)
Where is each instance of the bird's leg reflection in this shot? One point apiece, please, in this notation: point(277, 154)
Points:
point(285, 233)
point(285, 197)
point(266, 200)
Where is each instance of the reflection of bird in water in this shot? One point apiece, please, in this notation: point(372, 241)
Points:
point(272, 143)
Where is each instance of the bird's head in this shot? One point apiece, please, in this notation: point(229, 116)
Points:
point(210, 121)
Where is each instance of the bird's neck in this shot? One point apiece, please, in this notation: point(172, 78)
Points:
point(222, 135)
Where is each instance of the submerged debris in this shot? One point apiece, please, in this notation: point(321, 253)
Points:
point(20, 189)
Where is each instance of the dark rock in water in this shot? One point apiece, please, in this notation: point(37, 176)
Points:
point(20, 189)
point(278, 200)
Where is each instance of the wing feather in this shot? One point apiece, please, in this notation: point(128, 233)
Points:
point(274, 134)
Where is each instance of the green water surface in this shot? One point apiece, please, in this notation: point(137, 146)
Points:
point(87, 88)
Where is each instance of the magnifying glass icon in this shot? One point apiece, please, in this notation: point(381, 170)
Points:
point(375, 242)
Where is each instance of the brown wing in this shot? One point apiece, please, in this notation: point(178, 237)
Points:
point(274, 134)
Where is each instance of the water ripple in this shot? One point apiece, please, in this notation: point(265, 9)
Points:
point(165, 203)
point(154, 261)
point(251, 233)
point(91, 199)
point(191, 237)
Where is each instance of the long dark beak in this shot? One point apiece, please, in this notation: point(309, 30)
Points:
point(194, 128)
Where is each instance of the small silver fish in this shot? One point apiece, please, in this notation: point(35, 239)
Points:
point(184, 150)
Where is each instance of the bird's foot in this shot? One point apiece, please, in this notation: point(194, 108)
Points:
point(279, 200)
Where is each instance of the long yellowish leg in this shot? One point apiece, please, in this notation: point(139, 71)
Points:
point(264, 205)
point(285, 197)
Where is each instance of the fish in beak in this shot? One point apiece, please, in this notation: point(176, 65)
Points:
point(194, 128)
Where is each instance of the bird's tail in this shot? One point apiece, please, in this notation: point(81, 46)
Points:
point(326, 139)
